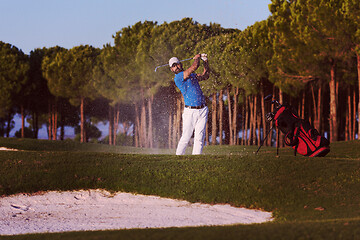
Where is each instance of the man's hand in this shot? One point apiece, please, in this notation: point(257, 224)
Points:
point(197, 56)
point(206, 73)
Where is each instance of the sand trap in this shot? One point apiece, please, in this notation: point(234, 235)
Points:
point(7, 149)
point(100, 210)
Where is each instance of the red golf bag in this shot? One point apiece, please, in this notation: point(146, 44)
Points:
point(299, 134)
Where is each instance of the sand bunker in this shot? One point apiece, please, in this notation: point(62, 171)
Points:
point(99, 210)
point(7, 149)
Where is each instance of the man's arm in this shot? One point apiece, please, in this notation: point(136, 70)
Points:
point(206, 73)
point(193, 67)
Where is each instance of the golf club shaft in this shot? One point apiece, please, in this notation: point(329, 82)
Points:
point(168, 64)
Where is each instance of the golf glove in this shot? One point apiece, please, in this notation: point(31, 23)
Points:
point(204, 57)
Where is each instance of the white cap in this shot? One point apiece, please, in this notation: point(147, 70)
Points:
point(173, 60)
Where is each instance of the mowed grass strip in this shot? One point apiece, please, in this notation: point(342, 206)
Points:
point(72, 146)
point(305, 194)
point(327, 230)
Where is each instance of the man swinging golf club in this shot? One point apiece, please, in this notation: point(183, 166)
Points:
point(196, 112)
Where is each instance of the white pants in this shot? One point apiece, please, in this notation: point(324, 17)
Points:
point(193, 119)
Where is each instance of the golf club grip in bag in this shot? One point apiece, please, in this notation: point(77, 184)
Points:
point(299, 134)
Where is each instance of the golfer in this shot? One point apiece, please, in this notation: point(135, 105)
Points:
point(196, 112)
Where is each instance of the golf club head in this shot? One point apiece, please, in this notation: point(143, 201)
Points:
point(269, 98)
point(269, 116)
point(276, 103)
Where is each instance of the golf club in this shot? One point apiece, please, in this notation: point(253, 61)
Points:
point(168, 64)
point(269, 98)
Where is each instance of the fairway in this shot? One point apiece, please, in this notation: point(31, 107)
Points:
point(307, 196)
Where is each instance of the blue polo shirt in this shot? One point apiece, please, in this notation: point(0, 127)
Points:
point(190, 89)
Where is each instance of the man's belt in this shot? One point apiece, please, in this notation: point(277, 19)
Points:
point(195, 107)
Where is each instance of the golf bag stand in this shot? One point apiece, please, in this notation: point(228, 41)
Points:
point(262, 142)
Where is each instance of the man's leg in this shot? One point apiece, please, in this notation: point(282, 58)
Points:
point(200, 128)
point(188, 128)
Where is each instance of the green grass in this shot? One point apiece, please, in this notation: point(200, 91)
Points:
point(317, 198)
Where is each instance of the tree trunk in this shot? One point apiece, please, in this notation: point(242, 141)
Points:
point(150, 127)
point(243, 120)
point(320, 108)
point(354, 115)
point(137, 126)
point(53, 122)
point(254, 120)
point(281, 135)
point(264, 127)
point(278, 144)
point(55, 116)
point(348, 125)
point(234, 125)
point(22, 122)
point(230, 118)
point(143, 136)
point(116, 117)
point(316, 110)
point(110, 125)
point(251, 119)
point(258, 116)
point(303, 105)
point(358, 74)
point(333, 106)
point(221, 115)
point(170, 130)
point(207, 135)
point(247, 115)
point(213, 120)
point(82, 123)
point(115, 125)
point(62, 126)
point(8, 129)
point(35, 125)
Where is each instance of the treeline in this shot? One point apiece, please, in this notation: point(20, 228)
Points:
point(305, 54)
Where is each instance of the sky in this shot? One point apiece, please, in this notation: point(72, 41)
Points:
point(31, 24)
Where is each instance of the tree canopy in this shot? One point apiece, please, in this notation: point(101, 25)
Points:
point(301, 45)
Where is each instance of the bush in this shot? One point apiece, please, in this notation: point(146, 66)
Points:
point(28, 133)
point(121, 140)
